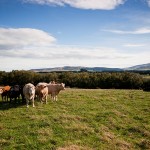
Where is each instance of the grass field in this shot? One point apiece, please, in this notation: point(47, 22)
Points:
point(81, 119)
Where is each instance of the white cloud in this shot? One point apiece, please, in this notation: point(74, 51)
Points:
point(141, 31)
point(59, 55)
point(82, 4)
point(11, 38)
point(138, 31)
point(134, 45)
point(148, 1)
point(61, 52)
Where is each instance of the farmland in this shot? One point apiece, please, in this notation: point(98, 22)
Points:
point(83, 119)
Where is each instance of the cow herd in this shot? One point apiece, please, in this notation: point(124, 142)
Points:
point(30, 92)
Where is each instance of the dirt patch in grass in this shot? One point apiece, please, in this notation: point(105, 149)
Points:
point(115, 141)
point(74, 147)
point(4, 142)
point(144, 144)
point(45, 132)
point(123, 145)
point(67, 117)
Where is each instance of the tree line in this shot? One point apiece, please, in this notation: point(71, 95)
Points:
point(103, 80)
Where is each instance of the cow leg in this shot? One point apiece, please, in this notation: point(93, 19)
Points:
point(15, 100)
point(52, 97)
point(2, 99)
point(27, 103)
point(41, 99)
point(7, 98)
point(55, 97)
point(33, 103)
point(46, 99)
point(22, 96)
point(10, 99)
point(38, 98)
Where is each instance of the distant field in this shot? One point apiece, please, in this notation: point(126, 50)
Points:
point(81, 119)
point(146, 76)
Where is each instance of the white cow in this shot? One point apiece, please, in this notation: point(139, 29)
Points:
point(29, 93)
point(54, 89)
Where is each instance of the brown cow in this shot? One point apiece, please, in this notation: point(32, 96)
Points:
point(5, 93)
point(41, 91)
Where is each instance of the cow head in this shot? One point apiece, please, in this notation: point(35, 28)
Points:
point(1, 91)
point(62, 85)
point(16, 88)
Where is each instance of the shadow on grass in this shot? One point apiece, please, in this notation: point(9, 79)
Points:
point(13, 104)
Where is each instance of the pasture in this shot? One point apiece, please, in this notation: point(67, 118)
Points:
point(81, 119)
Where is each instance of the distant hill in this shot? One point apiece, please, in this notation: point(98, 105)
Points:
point(92, 69)
point(65, 68)
point(78, 68)
point(139, 67)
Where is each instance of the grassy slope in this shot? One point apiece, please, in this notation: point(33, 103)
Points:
point(80, 119)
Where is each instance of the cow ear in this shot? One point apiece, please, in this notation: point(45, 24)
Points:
point(62, 84)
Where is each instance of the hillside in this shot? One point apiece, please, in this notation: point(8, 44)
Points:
point(93, 69)
point(139, 67)
point(78, 68)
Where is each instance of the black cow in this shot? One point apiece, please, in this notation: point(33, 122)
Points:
point(15, 92)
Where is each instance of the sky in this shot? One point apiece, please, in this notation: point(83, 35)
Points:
point(90, 33)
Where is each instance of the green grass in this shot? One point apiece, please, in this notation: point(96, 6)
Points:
point(81, 119)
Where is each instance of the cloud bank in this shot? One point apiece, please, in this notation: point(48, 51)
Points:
point(31, 45)
point(11, 38)
point(27, 48)
point(37, 44)
point(82, 4)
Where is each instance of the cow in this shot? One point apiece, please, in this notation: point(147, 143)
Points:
point(29, 93)
point(41, 90)
point(5, 93)
point(14, 93)
point(54, 89)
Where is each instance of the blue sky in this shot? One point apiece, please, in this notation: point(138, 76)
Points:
point(52, 33)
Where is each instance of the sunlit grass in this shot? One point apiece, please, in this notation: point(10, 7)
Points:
point(81, 119)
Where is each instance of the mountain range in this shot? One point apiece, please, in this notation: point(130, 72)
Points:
point(139, 67)
point(142, 67)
